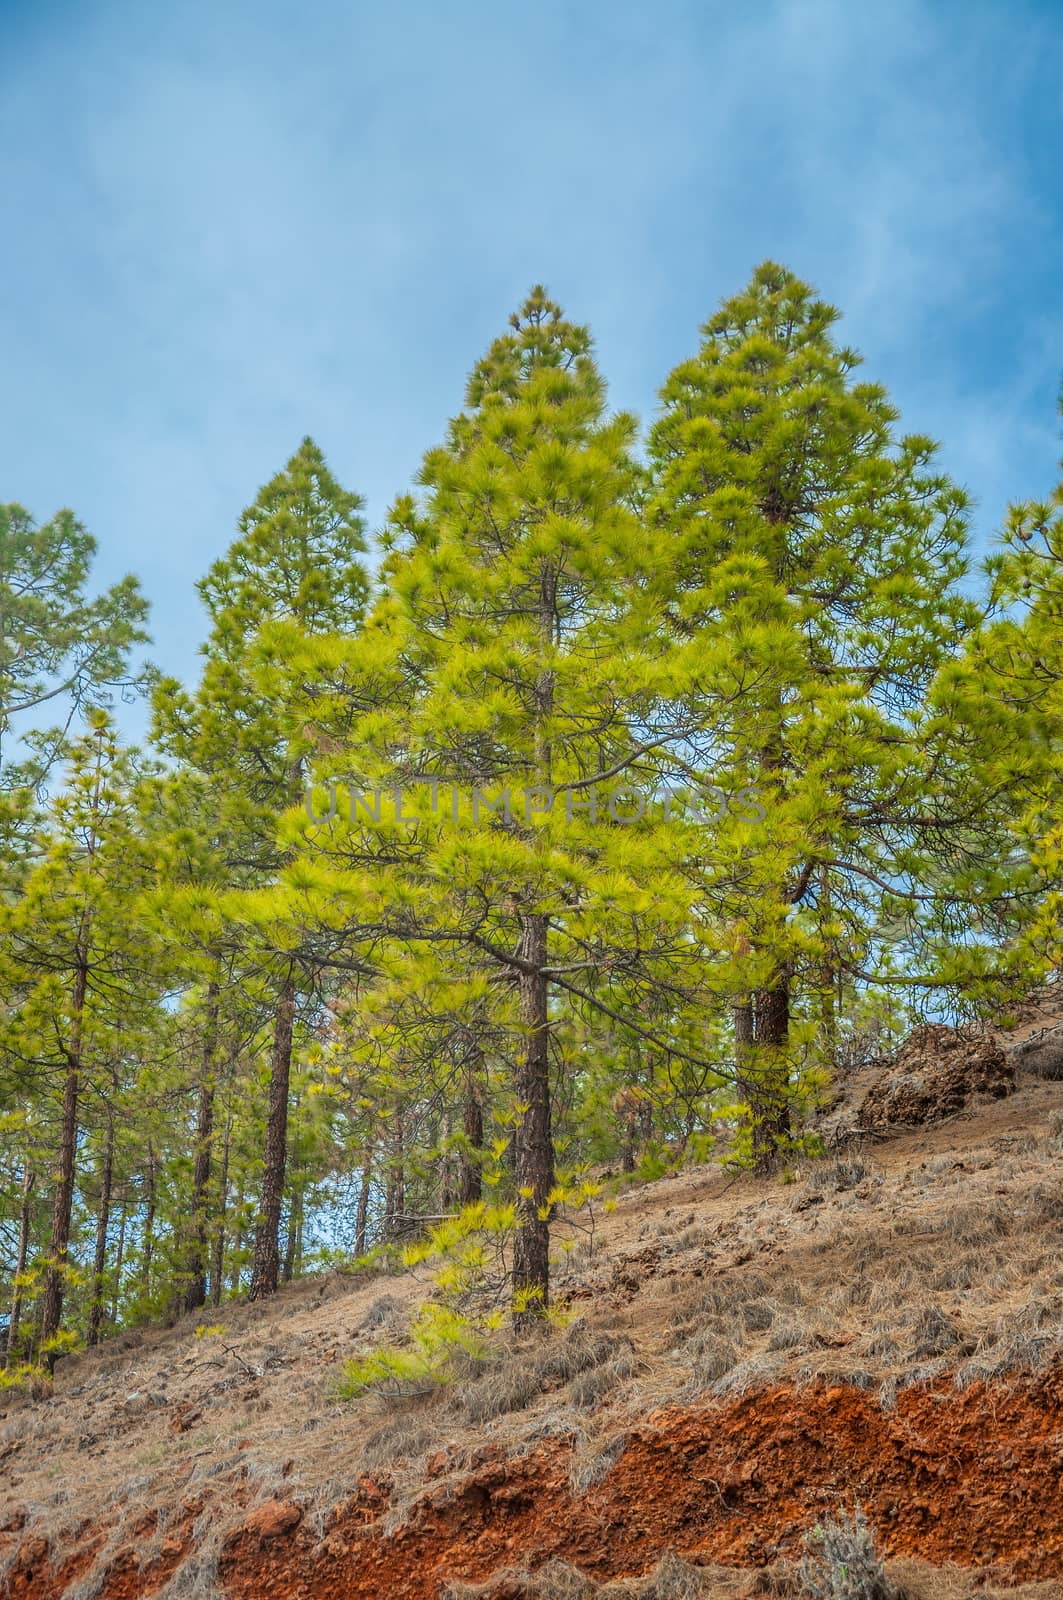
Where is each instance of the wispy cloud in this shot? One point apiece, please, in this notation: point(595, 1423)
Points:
point(229, 226)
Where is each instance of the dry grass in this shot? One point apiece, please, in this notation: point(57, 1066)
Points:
point(516, 1376)
point(593, 1463)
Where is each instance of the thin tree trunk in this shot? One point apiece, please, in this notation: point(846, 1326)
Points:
point(195, 1294)
point(291, 1243)
point(99, 1261)
point(361, 1217)
point(535, 1148)
point(646, 1121)
point(627, 1106)
point(119, 1259)
point(395, 1193)
point(21, 1258)
point(217, 1281)
point(446, 1165)
point(828, 1016)
point(238, 1241)
point(470, 1174)
point(148, 1248)
point(265, 1271)
point(63, 1202)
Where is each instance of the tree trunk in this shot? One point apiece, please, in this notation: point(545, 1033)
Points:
point(362, 1214)
point(119, 1258)
point(99, 1261)
point(21, 1258)
point(535, 1148)
point(217, 1269)
point(828, 1015)
point(238, 1241)
point(265, 1271)
point(148, 1245)
point(395, 1198)
point(446, 1165)
point(771, 1104)
point(63, 1202)
point(470, 1176)
point(291, 1243)
point(195, 1293)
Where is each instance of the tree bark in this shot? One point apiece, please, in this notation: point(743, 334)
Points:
point(470, 1175)
point(395, 1196)
point(217, 1268)
point(21, 1258)
point(238, 1241)
point(148, 1246)
point(771, 1104)
point(362, 1214)
point(99, 1261)
point(119, 1258)
point(195, 1293)
point(535, 1148)
point(446, 1164)
point(63, 1202)
point(291, 1243)
point(265, 1271)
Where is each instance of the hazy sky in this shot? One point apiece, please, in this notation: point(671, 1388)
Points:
point(228, 225)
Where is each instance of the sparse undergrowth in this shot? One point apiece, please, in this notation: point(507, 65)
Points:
point(885, 1271)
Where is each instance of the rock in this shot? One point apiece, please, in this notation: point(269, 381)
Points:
point(936, 1072)
point(272, 1519)
point(1041, 1054)
point(185, 1417)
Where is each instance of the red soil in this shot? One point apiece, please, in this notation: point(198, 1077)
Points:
point(972, 1477)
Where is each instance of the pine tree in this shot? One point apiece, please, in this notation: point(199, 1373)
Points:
point(817, 553)
point(297, 560)
point(1002, 707)
point(501, 681)
point(79, 966)
point(57, 643)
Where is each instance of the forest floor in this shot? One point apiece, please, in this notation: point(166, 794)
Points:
point(746, 1358)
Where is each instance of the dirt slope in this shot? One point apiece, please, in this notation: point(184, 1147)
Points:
point(746, 1358)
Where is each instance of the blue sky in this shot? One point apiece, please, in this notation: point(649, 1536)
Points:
point(228, 225)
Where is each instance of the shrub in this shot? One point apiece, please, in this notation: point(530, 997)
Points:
point(842, 1562)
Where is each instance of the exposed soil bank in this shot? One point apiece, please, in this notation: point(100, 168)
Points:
point(972, 1477)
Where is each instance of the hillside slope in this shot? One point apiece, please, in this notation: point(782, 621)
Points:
point(746, 1358)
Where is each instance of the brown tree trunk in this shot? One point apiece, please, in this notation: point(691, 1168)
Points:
point(828, 1015)
point(238, 1241)
point(99, 1261)
point(771, 1105)
point(217, 1268)
point(195, 1271)
point(265, 1270)
point(63, 1202)
point(470, 1175)
point(119, 1258)
point(291, 1243)
point(535, 1147)
point(22, 1256)
point(148, 1247)
point(395, 1197)
point(361, 1217)
point(446, 1165)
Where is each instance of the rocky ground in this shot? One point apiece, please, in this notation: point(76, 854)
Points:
point(746, 1359)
